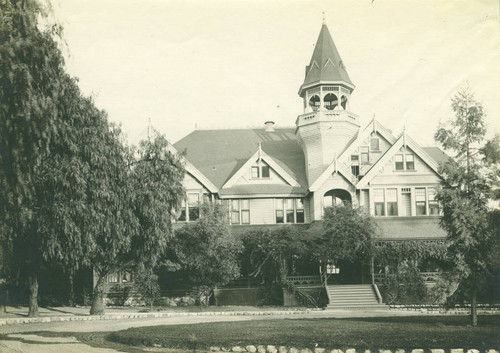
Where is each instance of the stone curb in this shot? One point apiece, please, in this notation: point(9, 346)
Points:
point(29, 320)
point(283, 349)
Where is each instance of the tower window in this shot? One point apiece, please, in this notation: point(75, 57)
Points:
point(343, 102)
point(331, 101)
point(314, 102)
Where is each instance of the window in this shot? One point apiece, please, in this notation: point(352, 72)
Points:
point(235, 211)
point(126, 277)
point(299, 210)
point(279, 207)
point(355, 164)
point(379, 201)
point(374, 144)
point(365, 158)
point(194, 206)
point(330, 101)
point(314, 102)
point(182, 216)
point(245, 211)
point(113, 278)
point(420, 201)
point(399, 162)
point(392, 202)
point(404, 162)
point(259, 172)
point(433, 204)
point(410, 162)
point(290, 214)
point(265, 171)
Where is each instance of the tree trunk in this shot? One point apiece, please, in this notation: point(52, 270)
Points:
point(473, 308)
point(71, 300)
point(33, 302)
point(97, 307)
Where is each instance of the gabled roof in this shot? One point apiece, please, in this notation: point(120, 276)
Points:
point(191, 169)
point(219, 154)
point(337, 164)
point(401, 141)
point(326, 64)
point(260, 154)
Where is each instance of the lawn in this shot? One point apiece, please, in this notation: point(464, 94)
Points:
point(425, 332)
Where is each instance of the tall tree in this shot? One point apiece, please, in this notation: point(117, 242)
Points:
point(466, 190)
point(32, 80)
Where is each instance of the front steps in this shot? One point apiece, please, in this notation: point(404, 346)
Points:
point(353, 296)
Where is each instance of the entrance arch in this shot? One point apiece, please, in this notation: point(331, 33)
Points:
point(337, 197)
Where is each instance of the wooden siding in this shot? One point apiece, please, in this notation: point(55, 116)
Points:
point(262, 211)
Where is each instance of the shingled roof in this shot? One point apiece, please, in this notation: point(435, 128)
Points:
point(410, 228)
point(326, 64)
point(218, 154)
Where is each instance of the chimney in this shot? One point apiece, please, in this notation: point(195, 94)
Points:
point(269, 126)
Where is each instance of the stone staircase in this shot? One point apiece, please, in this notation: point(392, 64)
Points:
point(353, 296)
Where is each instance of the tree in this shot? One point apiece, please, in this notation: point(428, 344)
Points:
point(207, 250)
point(347, 234)
point(467, 186)
point(32, 130)
point(135, 201)
point(146, 284)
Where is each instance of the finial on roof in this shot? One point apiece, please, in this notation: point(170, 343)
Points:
point(260, 151)
point(149, 128)
point(404, 136)
point(324, 20)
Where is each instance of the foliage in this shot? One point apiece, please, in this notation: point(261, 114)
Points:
point(271, 255)
point(34, 133)
point(404, 286)
point(146, 284)
point(347, 235)
point(206, 250)
point(467, 186)
point(393, 253)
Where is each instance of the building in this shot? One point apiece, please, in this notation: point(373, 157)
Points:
point(274, 176)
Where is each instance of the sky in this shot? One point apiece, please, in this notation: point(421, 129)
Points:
point(192, 64)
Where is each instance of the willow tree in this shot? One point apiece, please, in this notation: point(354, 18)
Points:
point(468, 181)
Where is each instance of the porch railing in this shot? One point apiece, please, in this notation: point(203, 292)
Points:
point(304, 280)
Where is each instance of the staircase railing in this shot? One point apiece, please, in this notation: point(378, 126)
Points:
point(377, 292)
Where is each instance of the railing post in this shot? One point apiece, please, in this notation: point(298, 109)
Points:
point(372, 269)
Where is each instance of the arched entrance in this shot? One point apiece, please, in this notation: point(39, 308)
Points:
point(337, 197)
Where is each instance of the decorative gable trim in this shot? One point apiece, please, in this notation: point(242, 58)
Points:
point(191, 169)
point(335, 167)
point(270, 162)
point(403, 140)
point(373, 126)
point(314, 63)
point(329, 61)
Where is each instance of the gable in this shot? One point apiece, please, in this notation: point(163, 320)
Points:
point(260, 172)
point(420, 171)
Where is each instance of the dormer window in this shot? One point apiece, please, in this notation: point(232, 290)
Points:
point(404, 162)
point(260, 172)
point(410, 162)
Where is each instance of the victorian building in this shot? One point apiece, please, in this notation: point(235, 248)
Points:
point(274, 176)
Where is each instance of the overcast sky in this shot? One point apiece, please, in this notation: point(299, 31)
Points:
point(236, 64)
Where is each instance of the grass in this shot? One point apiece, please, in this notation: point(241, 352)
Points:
point(426, 332)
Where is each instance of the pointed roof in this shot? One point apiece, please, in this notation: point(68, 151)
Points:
point(326, 64)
